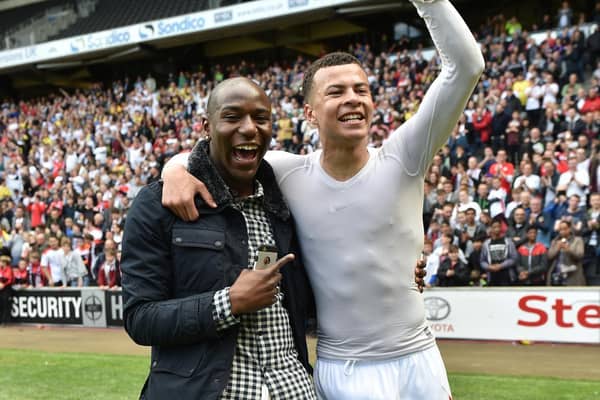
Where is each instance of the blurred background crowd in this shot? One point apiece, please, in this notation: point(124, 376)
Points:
point(511, 199)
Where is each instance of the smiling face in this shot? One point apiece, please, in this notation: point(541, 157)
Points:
point(239, 125)
point(340, 104)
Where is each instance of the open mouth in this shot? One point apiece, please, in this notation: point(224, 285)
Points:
point(351, 118)
point(245, 152)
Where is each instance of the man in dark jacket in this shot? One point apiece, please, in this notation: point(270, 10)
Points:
point(498, 257)
point(218, 328)
point(517, 229)
point(452, 271)
point(533, 260)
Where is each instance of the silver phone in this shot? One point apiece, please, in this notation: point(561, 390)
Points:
point(267, 256)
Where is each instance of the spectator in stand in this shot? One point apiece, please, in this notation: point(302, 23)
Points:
point(565, 15)
point(499, 257)
point(521, 198)
point(566, 255)
point(591, 235)
point(109, 272)
point(86, 250)
point(5, 192)
point(574, 181)
point(39, 276)
point(464, 203)
point(481, 197)
point(538, 219)
point(592, 101)
point(497, 198)
point(499, 125)
point(488, 160)
point(452, 271)
point(472, 228)
point(482, 123)
point(572, 122)
point(549, 122)
point(22, 278)
point(21, 217)
point(528, 180)
point(503, 169)
point(72, 265)
point(38, 211)
point(476, 278)
point(100, 256)
point(6, 281)
point(575, 214)
point(533, 261)
point(518, 227)
point(535, 94)
point(438, 255)
point(52, 262)
point(549, 180)
point(571, 86)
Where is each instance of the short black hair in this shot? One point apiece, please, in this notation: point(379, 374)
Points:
point(328, 60)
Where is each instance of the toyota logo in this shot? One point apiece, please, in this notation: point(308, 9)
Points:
point(436, 308)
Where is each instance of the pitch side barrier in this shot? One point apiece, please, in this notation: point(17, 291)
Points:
point(549, 314)
point(88, 306)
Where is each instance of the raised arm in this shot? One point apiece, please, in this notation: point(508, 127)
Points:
point(421, 136)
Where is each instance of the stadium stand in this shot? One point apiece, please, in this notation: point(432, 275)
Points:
point(115, 13)
point(13, 19)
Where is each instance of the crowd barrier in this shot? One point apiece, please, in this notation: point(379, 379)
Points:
point(90, 307)
point(569, 315)
point(549, 314)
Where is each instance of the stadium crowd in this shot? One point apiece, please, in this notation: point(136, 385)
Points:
point(511, 199)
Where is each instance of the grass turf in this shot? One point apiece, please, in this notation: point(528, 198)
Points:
point(32, 375)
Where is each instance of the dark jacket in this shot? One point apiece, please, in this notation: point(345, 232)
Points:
point(172, 268)
point(461, 273)
point(520, 232)
point(507, 274)
point(535, 261)
point(571, 258)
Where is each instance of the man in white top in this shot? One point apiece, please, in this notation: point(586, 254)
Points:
point(52, 259)
point(464, 203)
point(528, 181)
point(358, 215)
point(574, 181)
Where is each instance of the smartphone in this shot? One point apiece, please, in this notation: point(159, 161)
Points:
point(267, 256)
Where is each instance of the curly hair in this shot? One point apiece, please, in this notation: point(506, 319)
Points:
point(328, 60)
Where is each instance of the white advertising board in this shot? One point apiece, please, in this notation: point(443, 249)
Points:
point(544, 314)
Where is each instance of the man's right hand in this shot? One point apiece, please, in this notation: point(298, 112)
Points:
point(254, 290)
point(179, 189)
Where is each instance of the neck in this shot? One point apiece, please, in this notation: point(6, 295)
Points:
point(344, 162)
point(241, 189)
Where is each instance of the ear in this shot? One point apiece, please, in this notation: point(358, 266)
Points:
point(206, 126)
point(311, 118)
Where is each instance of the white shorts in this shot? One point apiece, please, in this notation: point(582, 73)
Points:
point(416, 376)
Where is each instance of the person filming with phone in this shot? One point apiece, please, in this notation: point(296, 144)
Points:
point(220, 328)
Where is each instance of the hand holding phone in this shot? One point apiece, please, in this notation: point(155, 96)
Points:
point(258, 288)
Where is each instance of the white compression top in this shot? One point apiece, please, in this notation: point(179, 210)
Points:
point(361, 238)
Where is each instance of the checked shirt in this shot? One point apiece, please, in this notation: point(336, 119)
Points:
point(264, 353)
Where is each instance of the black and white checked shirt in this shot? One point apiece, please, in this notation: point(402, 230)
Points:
point(264, 352)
